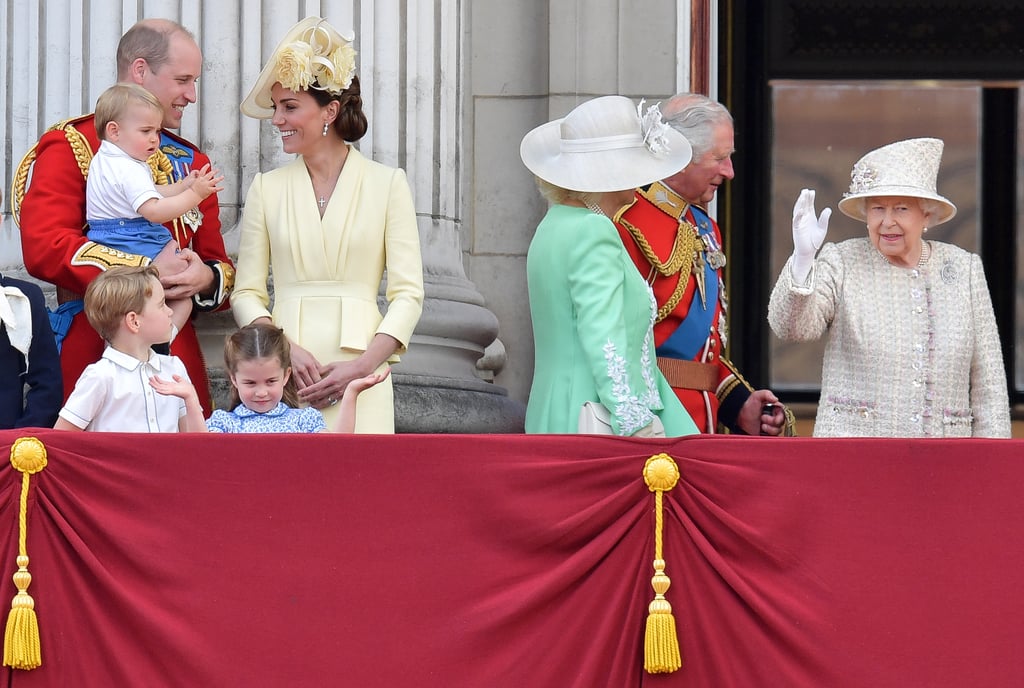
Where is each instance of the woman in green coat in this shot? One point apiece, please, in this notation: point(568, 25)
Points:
point(592, 311)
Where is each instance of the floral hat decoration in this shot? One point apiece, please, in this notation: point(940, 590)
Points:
point(313, 54)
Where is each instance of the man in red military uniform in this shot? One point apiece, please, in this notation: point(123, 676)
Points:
point(678, 248)
point(162, 57)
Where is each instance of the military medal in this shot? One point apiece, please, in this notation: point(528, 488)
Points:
point(698, 260)
point(193, 218)
point(715, 256)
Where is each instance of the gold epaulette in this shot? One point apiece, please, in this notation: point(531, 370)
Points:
point(79, 146)
point(666, 200)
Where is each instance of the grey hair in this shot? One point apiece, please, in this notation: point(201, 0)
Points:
point(695, 116)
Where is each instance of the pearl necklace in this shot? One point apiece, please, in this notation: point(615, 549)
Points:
point(926, 253)
point(922, 260)
point(595, 208)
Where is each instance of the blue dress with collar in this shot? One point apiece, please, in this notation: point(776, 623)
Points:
point(282, 418)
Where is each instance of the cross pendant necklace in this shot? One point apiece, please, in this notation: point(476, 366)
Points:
point(322, 202)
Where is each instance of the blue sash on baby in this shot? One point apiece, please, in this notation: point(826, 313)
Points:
point(133, 235)
point(689, 337)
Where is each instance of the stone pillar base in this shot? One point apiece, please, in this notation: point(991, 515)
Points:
point(426, 404)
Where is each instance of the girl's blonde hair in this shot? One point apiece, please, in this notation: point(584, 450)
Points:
point(255, 341)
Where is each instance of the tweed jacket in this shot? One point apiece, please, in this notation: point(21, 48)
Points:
point(911, 352)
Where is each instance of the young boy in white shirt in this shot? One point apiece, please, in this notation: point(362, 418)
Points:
point(132, 388)
point(125, 209)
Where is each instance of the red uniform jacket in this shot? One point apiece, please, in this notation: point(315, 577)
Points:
point(55, 247)
point(662, 234)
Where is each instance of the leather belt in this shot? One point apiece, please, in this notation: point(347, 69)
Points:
point(689, 374)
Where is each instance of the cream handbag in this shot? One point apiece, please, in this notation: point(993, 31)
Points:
point(596, 420)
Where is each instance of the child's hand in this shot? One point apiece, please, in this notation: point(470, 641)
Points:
point(177, 387)
point(360, 383)
point(206, 181)
point(347, 416)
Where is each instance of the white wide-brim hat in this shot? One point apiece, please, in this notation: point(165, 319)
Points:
point(326, 61)
point(905, 168)
point(605, 144)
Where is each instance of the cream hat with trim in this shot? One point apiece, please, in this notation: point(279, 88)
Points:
point(605, 144)
point(313, 54)
point(905, 168)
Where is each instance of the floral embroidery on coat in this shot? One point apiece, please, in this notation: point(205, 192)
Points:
point(634, 410)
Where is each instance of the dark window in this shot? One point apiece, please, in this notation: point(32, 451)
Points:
point(814, 85)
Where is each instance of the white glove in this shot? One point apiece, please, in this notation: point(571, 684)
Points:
point(808, 235)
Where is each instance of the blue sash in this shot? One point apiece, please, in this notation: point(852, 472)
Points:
point(60, 319)
point(689, 337)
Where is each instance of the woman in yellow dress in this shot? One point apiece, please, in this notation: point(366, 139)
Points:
point(327, 225)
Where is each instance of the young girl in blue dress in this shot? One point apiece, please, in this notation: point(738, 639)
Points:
point(263, 392)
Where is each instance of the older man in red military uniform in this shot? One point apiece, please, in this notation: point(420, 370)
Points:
point(678, 248)
point(164, 58)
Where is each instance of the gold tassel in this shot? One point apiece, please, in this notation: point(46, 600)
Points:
point(21, 639)
point(661, 646)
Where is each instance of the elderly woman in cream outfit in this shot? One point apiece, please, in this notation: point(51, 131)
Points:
point(912, 349)
point(328, 224)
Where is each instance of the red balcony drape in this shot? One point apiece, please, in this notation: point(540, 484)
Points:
point(521, 561)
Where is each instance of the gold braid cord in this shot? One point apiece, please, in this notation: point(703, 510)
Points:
point(160, 164)
point(21, 638)
point(79, 147)
point(661, 645)
point(682, 249)
point(686, 249)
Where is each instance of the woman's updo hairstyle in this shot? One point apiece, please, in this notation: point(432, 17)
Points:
point(351, 123)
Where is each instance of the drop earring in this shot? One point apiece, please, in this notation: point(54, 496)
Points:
point(326, 126)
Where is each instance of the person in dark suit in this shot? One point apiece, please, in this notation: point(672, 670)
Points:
point(28, 358)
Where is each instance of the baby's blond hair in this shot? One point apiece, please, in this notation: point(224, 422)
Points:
point(113, 103)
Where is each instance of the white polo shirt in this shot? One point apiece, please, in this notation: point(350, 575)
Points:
point(114, 395)
point(117, 185)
